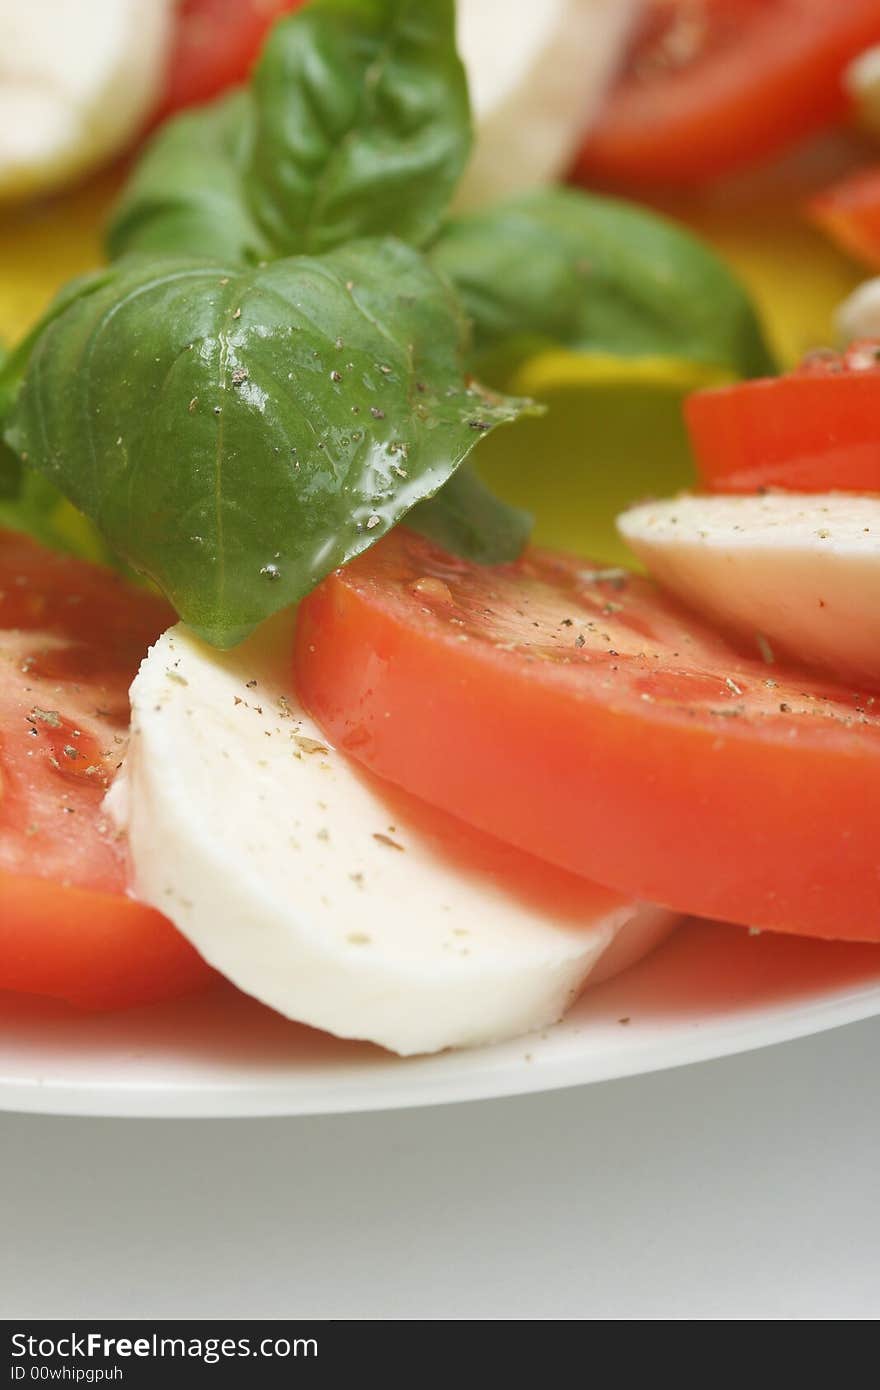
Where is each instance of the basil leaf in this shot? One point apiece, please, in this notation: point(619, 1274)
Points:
point(237, 434)
point(467, 518)
point(10, 473)
point(26, 507)
point(186, 196)
point(26, 501)
point(560, 268)
point(356, 123)
point(363, 123)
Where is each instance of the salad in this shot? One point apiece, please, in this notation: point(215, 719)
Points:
point(292, 689)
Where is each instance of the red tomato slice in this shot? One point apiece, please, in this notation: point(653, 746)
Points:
point(849, 211)
point(71, 638)
point(214, 45)
point(712, 85)
point(814, 430)
point(586, 718)
point(95, 950)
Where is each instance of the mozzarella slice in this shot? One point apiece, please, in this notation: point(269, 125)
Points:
point(76, 83)
point(859, 314)
point(294, 876)
point(798, 571)
point(537, 73)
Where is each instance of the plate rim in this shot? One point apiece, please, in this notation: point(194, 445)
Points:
point(732, 1035)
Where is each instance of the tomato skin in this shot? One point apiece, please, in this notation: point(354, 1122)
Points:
point(214, 46)
point(849, 212)
point(98, 951)
point(814, 430)
point(71, 638)
point(713, 85)
point(632, 769)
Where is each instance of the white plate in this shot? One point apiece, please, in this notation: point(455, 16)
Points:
point(708, 992)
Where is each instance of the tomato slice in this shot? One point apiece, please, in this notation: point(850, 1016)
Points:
point(814, 430)
point(71, 638)
point(95, 950)
point(214, 45)
point(581, 715)
point(849, 211)
point(711, 85)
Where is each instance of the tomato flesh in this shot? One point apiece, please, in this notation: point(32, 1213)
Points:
point(849, 211)
point(709, 86)
point(71, 639)
point(814, 430)
point(586, 718)
point(214, 46)
point(95, 950)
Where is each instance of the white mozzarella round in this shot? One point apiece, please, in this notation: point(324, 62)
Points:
point(797, 571)
point(77, 81)
point(294, 875)
point(537, 73)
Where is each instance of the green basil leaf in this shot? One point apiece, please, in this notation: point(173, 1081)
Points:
point(356, 123)
point(10, 473)
point(26, 507)
point(237, 434)
point(560, 268)
point(186, 196)
point(28, 502)
point(14, 363)
point(363, 123)
point(466, 517)
point(25, 500)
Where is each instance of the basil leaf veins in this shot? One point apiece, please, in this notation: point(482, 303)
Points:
point(356, 123)
point(236, 434)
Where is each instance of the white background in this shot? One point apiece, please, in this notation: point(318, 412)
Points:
point(744, 1188)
